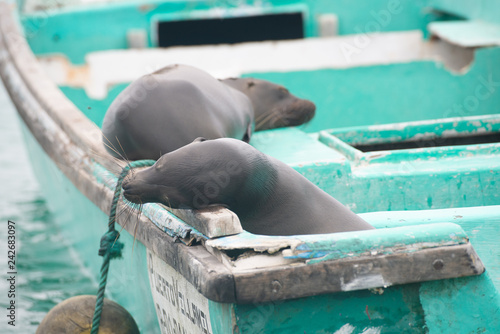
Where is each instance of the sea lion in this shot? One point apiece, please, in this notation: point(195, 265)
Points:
point(268, 196)
point(274, 106)
point(165, 110)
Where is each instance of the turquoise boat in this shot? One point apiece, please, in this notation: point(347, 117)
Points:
point(406, 135)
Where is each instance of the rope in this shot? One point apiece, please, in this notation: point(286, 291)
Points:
point(110, 246)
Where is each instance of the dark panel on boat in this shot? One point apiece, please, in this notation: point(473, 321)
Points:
point(231, 30)
point(448, 141)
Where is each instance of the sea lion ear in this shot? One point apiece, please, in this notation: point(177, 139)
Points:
point(199, 140)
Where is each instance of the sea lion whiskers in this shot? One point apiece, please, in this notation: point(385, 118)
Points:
point(124, 210)
point(131, 208)
point(165, 198)
point(139, 212)
point(117, 163)
point(265, 118)
point(110, 145)
point(128, 211)
point(259, 118)
point(115, 159)
point(116, 218)
point(125, 154)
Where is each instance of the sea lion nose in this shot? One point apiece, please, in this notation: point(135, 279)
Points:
point(309, 107)
point(126, 184)
point(301, 111)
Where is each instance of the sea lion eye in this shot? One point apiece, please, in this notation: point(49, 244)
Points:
point(250, 84)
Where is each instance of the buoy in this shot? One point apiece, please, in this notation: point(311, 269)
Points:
point(74, 315)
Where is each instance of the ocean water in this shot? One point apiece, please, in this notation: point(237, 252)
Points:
point(47, 272)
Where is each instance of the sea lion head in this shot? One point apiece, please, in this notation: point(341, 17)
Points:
point(274, 105)
point(201, 174)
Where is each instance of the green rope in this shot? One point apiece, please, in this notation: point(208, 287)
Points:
point(110, 246)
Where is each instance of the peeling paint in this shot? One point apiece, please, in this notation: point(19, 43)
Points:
point(375, 280)
point(257, 243)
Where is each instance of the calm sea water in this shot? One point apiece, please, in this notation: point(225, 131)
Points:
point(47, 272)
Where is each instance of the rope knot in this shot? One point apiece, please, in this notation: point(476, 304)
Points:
point(111, 245)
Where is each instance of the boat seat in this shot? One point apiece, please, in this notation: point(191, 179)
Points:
point(295, 147)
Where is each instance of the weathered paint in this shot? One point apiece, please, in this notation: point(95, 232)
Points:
point(480, 223)
point(257, 243)
point(461, 305)
point(434, 129)
point(396, 310)
point(381, 241)
point(317, 248)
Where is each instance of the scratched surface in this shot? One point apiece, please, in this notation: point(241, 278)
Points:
point(396, 310)
point(316, 248)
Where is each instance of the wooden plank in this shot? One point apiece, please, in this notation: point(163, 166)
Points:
point(367, 272)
